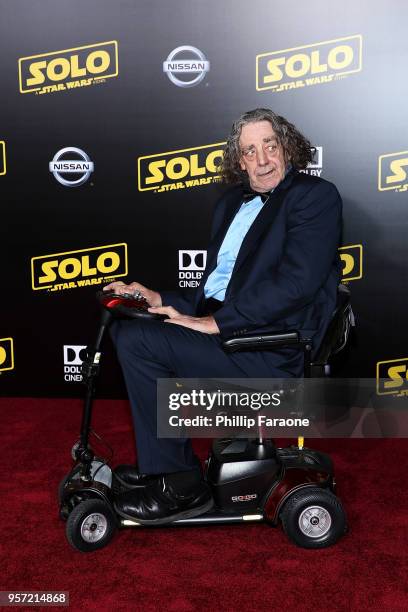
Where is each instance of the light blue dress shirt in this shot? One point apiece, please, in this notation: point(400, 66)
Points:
point(218, 280)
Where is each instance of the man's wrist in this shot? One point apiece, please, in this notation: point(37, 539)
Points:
point(212, 324)
point(159, 301)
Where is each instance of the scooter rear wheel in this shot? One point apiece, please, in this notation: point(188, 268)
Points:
point(314, 518)
point(91, 525)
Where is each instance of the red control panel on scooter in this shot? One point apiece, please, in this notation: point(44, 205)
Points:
point(128, 305)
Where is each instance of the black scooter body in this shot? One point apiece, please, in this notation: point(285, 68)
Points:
point(250, 480)
point(243, 474)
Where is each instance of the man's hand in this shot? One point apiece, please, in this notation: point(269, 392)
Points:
point(206, 325)
point(152, 297)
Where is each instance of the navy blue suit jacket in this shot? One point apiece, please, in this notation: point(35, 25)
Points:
point(288, 268)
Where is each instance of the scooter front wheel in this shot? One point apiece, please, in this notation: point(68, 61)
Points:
point(91, 525)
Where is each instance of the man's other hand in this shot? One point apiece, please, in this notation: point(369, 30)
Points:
point(153, 298)
point(206, 325)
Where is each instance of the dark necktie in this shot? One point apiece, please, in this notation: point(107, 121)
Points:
point(249, 194)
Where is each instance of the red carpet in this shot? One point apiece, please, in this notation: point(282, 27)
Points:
point(208, 568)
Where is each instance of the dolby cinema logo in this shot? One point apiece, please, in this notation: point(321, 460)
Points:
point(74, 355)
point(71, 167)
point(186, 66)
point(316, 165)
point(191, 267)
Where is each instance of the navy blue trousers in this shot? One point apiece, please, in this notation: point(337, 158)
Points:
point(148, 350)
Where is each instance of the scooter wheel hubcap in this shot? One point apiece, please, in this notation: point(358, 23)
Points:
point(315, 521)
point(94, 527)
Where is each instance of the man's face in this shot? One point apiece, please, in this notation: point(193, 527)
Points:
point(261, 156)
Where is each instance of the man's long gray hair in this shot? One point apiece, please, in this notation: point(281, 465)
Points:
point(296, 148)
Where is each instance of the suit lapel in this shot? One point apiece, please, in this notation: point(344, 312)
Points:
point(263, 221)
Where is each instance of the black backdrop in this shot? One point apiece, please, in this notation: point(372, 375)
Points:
point(89, 74)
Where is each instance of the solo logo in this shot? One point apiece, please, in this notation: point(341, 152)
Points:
point(316, 165)
point(352, 260)
point(6, 354)
point(69, 68)
point(3, 167)
point(191, 267)
point(392, 377)
point(393, 171)
point(81, 268)
point(195, 68)
point(180, 169)
point(81, 168)
point(74, 355)
point(313, 64)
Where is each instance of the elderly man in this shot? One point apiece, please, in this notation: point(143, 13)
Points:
point(272, 264)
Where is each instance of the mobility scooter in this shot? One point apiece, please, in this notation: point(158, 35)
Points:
point(251, 480)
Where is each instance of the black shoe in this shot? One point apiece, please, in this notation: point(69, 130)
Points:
point(130, 477)
point(161, 502)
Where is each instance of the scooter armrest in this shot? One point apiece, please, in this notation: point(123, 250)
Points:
point(261, 342)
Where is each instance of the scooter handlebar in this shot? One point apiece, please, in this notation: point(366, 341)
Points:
point(126, 305)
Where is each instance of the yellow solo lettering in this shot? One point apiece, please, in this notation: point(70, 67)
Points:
point(180, 169)
point(79, 268)
point(68, 68)
point(309, 65)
